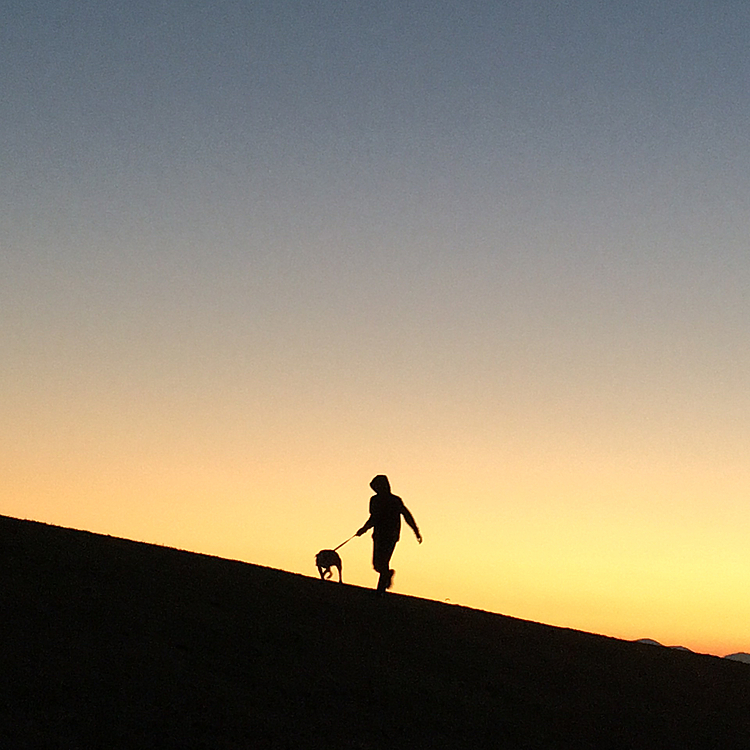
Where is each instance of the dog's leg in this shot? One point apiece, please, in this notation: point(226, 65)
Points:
point(339, 569)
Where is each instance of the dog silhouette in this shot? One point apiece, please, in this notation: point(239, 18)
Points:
point(326, 560)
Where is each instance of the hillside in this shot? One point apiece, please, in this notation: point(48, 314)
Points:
point(109, 643)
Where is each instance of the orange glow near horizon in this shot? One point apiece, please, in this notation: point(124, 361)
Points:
point(589, 546)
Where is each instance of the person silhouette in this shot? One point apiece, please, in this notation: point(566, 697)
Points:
point(386, 510)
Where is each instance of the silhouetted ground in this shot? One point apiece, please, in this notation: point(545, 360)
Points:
point(108, 643)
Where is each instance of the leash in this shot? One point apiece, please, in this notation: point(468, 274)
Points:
point(343, 543)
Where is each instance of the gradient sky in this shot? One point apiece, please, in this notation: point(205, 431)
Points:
point(253, 253)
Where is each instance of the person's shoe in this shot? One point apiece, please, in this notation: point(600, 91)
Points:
point(389, 580)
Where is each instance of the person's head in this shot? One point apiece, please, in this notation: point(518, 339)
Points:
point(381, 485)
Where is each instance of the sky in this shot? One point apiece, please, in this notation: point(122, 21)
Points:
point(254, 253)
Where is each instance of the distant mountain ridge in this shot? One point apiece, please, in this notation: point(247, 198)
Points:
point(119, 644)
point(741, 656)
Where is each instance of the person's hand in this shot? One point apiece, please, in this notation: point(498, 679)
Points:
point(360, 532)
point(419, 537)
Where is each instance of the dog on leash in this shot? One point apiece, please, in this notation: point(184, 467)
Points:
point(326, 560)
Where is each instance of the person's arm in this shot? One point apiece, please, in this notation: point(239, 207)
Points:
point(409, 518)
point(367, 525)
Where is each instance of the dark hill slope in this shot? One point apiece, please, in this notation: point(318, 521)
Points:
point(108, 643)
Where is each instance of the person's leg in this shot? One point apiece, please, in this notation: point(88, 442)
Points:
point(381, 560)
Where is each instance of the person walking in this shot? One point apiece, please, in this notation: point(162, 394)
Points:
point(386, 510)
